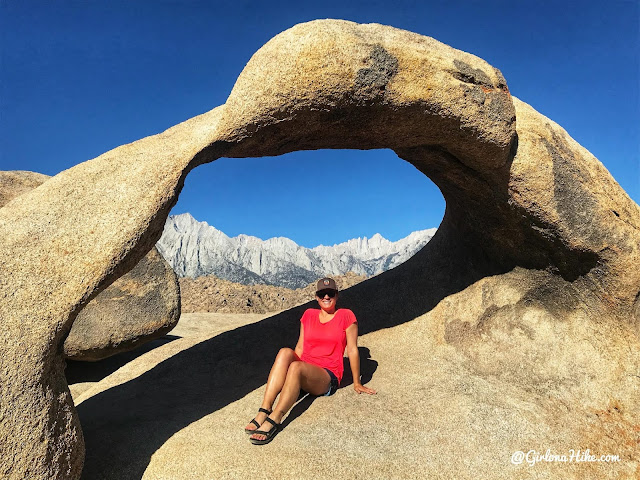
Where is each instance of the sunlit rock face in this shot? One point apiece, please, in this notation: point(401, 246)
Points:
point(140, 306)
point(16, 182)
point(533, 269)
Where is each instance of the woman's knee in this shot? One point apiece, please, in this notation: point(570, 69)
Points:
point(295, 369)
point(286, 355)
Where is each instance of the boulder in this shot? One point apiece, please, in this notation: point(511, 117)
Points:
point(537, 236)
point(140, 306)
point(16, 182)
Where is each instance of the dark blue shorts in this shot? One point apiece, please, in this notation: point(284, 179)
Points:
point(333, 386)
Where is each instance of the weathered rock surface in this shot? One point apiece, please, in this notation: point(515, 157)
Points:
point(140, 306)
point(529, 213)
point(17, 182)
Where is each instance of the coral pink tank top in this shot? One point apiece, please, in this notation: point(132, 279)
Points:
point(324, 343)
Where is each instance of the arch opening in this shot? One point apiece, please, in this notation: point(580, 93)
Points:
point(316, 199)
point(364, 191)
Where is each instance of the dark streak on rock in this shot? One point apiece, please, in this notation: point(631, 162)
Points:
point(476, 94)
point(499, 107)
point(466, 73)
point(574, 203)
point(547, 296)
point(502, 83)
point(458, 332)
point(374, 78)
point(576, 207)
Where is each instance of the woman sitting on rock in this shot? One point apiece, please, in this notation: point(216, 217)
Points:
point(315, 365)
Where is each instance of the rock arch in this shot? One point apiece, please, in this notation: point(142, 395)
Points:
point(534, 223)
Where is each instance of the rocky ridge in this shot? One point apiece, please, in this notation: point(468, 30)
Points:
point(195, 249)
point(212, 294)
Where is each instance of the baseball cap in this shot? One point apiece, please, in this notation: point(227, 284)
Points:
point(325, 284)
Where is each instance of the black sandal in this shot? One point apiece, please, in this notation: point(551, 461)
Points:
point(270, 434)
point(250, 431)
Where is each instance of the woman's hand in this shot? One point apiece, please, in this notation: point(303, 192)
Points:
point(358, 387)
point(354, 359)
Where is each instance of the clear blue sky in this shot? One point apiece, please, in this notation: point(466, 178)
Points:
point(78, 78)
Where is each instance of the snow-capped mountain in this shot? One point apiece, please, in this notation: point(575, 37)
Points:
point(195, 248)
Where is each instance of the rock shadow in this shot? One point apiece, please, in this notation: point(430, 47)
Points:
point(124, 425)
point(367, 368)
point(79, 371)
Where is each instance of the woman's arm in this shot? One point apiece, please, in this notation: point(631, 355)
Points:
point(354, 359)
point(300, 343)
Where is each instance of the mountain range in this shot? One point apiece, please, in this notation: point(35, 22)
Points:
point(195, 249)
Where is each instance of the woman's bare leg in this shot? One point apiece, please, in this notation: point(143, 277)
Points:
point(275, 382)
point(300, 375)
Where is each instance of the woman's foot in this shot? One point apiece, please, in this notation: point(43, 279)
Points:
point(257, 421)
point(266, 427)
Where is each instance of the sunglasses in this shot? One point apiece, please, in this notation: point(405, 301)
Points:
point(322, 293)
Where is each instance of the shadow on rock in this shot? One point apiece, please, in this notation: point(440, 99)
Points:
point(367, 368)
point(81, 371)
point(125, 425)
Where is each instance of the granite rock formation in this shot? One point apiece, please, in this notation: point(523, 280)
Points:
point(195, 249)
point(17, 182)
point(212, 294)
point(140, 306)
point(537, 235)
